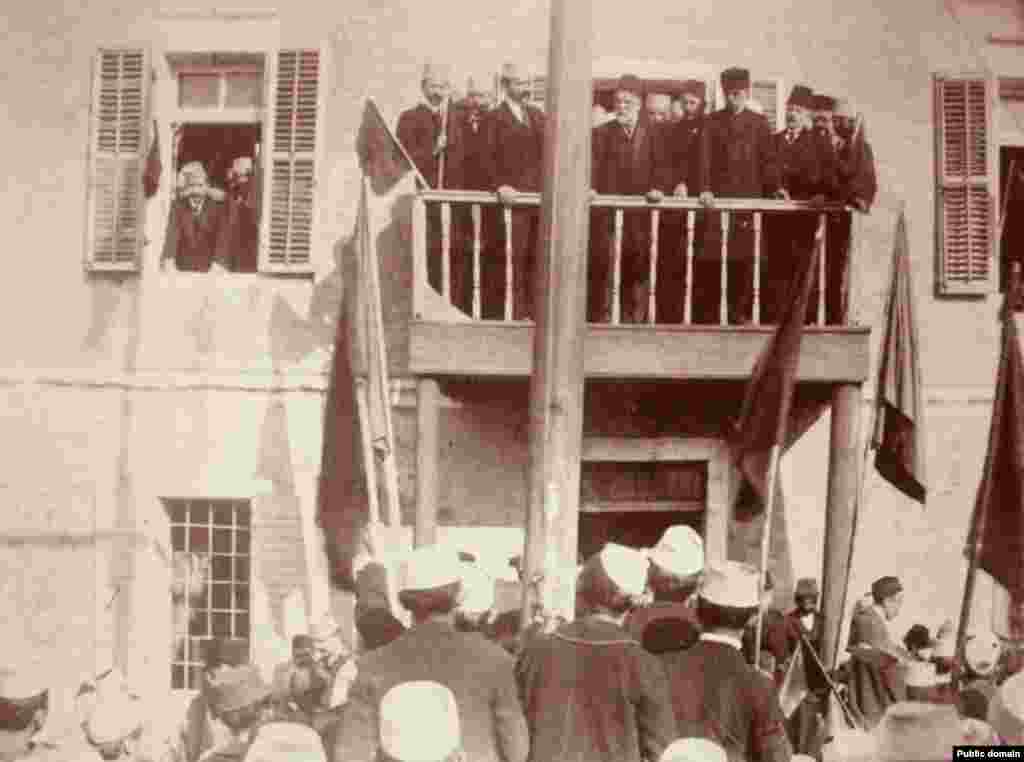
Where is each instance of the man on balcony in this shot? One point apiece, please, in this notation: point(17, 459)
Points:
point(515, 131)
point(739, 160)
point(806, 168)
point(626, 154)
point(425, 132)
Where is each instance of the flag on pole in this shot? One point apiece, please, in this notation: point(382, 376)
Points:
point(899, 435)
point(764, 415)
point(794, 685)
point(997, 527)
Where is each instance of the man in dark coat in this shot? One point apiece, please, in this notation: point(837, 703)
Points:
point(738, 160)
point(773, 634)
point(515, 133)
point(240, 241)
point(803, 630)
point(625, 159)
point(589, 690)
point(715, 693)
point(479, 673)
point(877, 669)
point(195, 225)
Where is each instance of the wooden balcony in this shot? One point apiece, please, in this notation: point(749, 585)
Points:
point(451, 340)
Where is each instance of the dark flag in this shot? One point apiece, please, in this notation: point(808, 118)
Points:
point(381, 156)
point(764, 416)
point(154, 167)
point(997, 527)
point(899, 412)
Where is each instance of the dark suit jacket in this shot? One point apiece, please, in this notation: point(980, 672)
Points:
point(682, 152)
point(468, 167)
point(592, 693)
point(515, 149)
point(194, 241)
point(478, 672)
point(805, 167)
point(417, 131)
point(717, 695)
point(738, 156)
point(626, 166)
point(856, 172)
point(874, 683)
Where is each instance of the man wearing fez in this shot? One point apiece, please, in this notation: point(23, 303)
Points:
point(680, 172)
point(195, 226)
point(515, 132)
point(241, 232)
point(715, 693)
point(773, 635)
point(804, 630)
point(675, 566)
point(589, 690)
point(478, 672)
point(738, 160)
point(877, 671)
point(626, 157)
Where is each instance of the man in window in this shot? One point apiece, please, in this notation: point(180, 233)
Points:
point(738, 160)
point(195, 224)
point(240, 239)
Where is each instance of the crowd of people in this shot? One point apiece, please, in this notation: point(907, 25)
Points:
point(658, 665)
point(656, 147)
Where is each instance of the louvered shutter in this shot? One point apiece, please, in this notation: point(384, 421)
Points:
point(766, 92)
point(964, 185)
point(117, 152)
point(296, 86)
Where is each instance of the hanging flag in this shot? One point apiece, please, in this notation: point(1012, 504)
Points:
point(381, 156)
point(997, 527)
point(794, 685)
point(154, 167)
point(764, 415)
point(899, 434)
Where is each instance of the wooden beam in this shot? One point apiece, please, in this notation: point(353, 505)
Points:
point(556, 391)
point(832, 354)
point(841, 505)
point(429, 402)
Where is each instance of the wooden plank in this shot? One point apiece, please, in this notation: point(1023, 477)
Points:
point(830, 354)
point(643, 506)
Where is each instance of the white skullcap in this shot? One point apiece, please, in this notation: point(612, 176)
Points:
point(982, 652)
point(1006, 710)
point(694, 750)
point(115, 716)
point(626, 567)
point(286, 742)
point(731, 583)
point(430, 567)
point(419, 722)
point(478, 589)
point(21, 683)
point(680, 551)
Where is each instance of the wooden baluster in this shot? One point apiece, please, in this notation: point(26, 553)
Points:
point(822, 236)
point(617, 269)
point(691, 224)
point(757, 268)
point(723, 307)
point(476, 212)
point(652, 315)
point(446, 251)
point(509, 288)
point(419, 254)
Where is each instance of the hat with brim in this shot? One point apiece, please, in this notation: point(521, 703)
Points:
point(431, 567)
point(693, 750)
point(735, 79)
point(885, 587)
point(235, 688)
point(419, 722)
point(806, 588)
point(732, 584)
point(289, 741)
point(918, 732)
point(801, 96)
point(1006, 710)
point(679, 552)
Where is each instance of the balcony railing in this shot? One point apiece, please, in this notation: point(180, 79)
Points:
point(458, 230)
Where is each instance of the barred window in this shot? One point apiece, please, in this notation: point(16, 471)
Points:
point(211, 541)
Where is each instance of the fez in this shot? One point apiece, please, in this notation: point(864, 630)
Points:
point(801, 96)
point(823, 103)
point(235, 688)
point(290, 741)
point(693, 750)
point(806, 588)
point(982, 652)
point(694, 87)
point(629, 83)
point(732, 584)
point(679, 552)
point(735, 79)
point(419, 722)
point(918, 637)
point(918, 731)
point(885, 587)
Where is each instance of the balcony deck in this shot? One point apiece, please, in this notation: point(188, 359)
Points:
point(447, 341)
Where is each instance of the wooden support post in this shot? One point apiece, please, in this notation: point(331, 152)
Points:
point(428, 403)
point(556, 390)
point(843, 486)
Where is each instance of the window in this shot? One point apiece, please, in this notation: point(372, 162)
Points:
point(211, 541)
point(964, 172)
point(262, 108)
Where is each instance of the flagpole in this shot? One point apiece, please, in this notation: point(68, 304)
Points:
point(773, 468)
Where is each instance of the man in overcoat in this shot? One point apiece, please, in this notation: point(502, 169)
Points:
point(195, 226)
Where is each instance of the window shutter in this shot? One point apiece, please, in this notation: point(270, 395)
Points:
point(295, 102)
point(965, 207)
point(117, 148)
point(766, 92)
